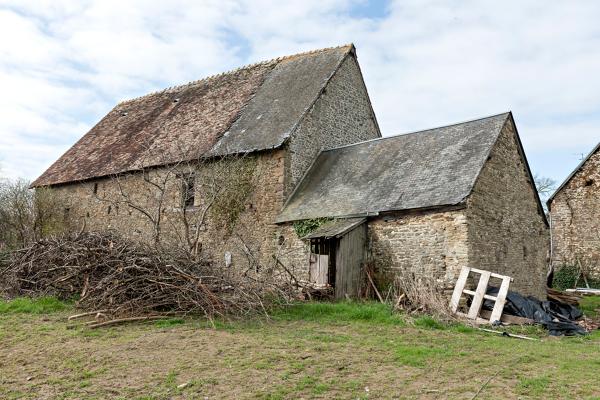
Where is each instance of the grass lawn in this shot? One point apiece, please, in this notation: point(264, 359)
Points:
point(327, 351)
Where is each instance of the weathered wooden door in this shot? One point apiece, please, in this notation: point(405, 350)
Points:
point(349, 258)
point(319, 268)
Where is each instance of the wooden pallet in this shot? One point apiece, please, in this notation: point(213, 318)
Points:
point(479, 295)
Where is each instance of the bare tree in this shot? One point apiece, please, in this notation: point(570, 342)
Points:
point(545, 187)
point(27, 215)
point(179, 197)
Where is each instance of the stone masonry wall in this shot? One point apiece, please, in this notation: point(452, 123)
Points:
point(254, 231)
point(431, 244)
point(341, 116)
point(507, 233)
point(575, 216)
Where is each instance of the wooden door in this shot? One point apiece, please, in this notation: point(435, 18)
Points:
point(319, 268)
point(349, 259)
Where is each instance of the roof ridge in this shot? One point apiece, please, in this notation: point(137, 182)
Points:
point(279, 59)
point(419, 131)
point(573, 173)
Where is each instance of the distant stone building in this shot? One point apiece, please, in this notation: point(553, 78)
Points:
point(235, 165)
point(575, 216)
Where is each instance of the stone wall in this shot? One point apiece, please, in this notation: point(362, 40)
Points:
point(342, 115)
point(507, 232)
point(432, 244)
point(575, 216)
point(250, 233)
point(501, 229)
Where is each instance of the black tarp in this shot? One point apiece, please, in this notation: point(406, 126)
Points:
point(558, 318)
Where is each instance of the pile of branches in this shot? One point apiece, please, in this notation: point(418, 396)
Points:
point(407, 291)
point(126, 279)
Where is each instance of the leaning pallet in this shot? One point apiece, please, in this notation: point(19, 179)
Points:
point(479, 295)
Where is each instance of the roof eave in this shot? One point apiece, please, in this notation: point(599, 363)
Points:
point(571, 175)
point(369, 214)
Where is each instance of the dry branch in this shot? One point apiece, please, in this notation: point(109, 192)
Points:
point(127, 280)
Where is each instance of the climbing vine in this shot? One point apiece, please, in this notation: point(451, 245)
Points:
point(238, 183)
point(307, 226)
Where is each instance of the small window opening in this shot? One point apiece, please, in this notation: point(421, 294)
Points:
point(188, 190)
point(109, 209)
point(87, 214)
point(95, 188)
point(589, 182)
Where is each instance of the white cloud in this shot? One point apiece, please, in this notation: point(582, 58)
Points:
point(426, 63)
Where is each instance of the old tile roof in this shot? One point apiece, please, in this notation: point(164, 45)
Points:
point(432, 168)
point(335, 228)
point(571, 175)
point(249, 109)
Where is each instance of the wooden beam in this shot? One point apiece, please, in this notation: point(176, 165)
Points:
point(479, 293)
point(486, 296)
point(506, 318)
point(458, 288)
point(499, 306)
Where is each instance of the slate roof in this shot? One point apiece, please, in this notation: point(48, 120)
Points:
point(335, 228)
point(249, 109)
point(431, 168)
point(572, 174)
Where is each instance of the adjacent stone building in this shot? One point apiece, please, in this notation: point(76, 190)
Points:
point(235, 165)
point(574, 211)
point(437, 200)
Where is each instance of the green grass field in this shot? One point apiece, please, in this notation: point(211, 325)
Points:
point(312, 350)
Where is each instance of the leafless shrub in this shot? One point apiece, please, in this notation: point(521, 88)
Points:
point(406, 291)
point(178, 198)
point(27, 215)
point(420, 294)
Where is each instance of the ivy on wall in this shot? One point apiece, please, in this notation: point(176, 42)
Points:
point(237, 185)
point(569, 276)
point(307, 226)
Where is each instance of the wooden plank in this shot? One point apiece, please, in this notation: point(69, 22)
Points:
point(479, 293)
point(458, 288)
point(478, 321)
point(487, 296)
point(499, 306)
point(312, 267)
point(584, 291)
point(506, 318)
point(493, 274)
point(349, 258)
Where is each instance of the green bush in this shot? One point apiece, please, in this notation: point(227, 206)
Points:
point(565, 277)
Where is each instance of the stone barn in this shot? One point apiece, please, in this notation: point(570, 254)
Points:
point(236, 167)
point(574, 211)
point(431, 202)
point(148, 169)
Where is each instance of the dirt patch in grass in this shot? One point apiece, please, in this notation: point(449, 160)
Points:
point(344, 352)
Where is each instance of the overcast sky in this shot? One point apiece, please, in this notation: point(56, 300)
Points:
point(65, 64)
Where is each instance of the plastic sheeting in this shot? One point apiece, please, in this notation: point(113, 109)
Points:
point(558, 318)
